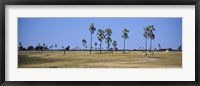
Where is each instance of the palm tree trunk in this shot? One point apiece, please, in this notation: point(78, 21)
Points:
point(124, 46)
point(108, 47)
point(100, 47)
point(91, 44)
point(150, 44)
point(146, 45)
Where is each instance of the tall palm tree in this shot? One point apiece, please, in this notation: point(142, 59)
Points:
point(108, 33)
point(145, 34)
point(151, 35)
point(100, 36)
point(125, 36)
point(84, 42)
point(91, 29)
point(114, 44)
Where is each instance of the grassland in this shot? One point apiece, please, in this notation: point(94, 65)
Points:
point(83, 59)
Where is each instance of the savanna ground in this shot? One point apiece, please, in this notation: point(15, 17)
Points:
point(83, 59)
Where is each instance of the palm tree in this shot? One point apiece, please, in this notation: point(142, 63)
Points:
point(95, 45)
point(100, 36)
point(52, 46)
point(108, 33)
point(125, 36)
point(91, 29)
point(159, 46)
point(49, 47)
point(63, 49)
point(145, 34)
point(151, 35)
point(20, 46)
point(114, 44)
point(55, 45)
point(44, 45)
point(84, 42)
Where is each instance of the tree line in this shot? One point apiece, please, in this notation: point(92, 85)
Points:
point(104, 35)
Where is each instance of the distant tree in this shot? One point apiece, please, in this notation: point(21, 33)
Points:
point(56, 46)
point(114, 44)
point(95, 45)
point(44, 45)
point(47, 47)
point(159, 47)
point(91, 29)
point(63, 49)
point(151, 35)
point(67, 48)
point(30, 48)
point(145, 34)
point(39, 47)
point(125, 36)
point(108, 33)
point(180, 48)
point(20, 46)
point(100, 36)
point(50, 47)
point(84, 42)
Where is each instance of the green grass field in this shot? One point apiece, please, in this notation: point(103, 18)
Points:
point(83, 59)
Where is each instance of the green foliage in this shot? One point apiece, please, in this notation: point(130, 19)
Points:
point(100, 35)
point(125, 33)
point(92, 28)
point(108, 33)
point(84, 42)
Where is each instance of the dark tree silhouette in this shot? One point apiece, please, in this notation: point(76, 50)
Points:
point(100, 36)
point(21, 46)
point(108, 33)
point(159, 47)
point(30, 48)
point(84, 42)
point(95, 45)
point(67, 48)
point(151, 35)
point(56, 46)
point(180, 48)
point(125, 36)
point(145, 34)
point(91, 29)
point(114, 44)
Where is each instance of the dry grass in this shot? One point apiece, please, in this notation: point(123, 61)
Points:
point(82, 59)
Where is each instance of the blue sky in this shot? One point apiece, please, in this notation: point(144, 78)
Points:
point(71, 31)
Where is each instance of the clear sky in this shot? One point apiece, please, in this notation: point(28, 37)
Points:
point(71, 31)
